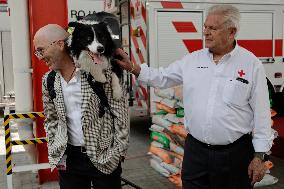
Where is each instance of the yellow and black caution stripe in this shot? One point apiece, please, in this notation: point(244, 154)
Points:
point(8, 145)
point(8, 141)
point(27, 115)
point(32, 141)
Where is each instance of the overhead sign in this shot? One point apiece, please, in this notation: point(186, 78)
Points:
point(83, 8)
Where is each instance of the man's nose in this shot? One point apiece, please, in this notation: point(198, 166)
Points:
point(206, 31)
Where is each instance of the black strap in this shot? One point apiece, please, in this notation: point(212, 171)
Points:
point(50, 84)
point(100, 92)
point(104, 105)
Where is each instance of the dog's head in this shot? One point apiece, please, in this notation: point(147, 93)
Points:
point(93, 37)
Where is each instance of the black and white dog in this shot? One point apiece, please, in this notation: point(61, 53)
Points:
point(92, 45)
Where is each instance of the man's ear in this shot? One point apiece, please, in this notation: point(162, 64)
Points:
point(233, 31)
point(61, 44)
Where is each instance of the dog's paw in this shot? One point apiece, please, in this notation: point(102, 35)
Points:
point(117, 93)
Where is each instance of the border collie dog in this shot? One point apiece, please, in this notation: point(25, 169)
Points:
point(92, 46)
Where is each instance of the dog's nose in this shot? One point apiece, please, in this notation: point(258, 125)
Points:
point(100, 49)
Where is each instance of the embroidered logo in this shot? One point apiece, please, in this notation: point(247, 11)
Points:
point(202, 67)
point(241, 73)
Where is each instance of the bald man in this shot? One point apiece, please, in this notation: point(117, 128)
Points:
point(86, 148)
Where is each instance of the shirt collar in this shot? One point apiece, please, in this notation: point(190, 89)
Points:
point(76, 77)
point(230, 54)
point(235, 50)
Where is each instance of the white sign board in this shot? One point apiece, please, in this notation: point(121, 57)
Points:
point(83, 8)
point(4, 18)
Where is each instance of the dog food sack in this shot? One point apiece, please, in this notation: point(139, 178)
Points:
point(161, 153)
point(165, 93)
point(161, 138)
point(156, 165)
point(156, 128)
point(159, 120)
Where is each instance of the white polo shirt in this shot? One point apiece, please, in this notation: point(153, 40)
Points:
point(222, 102)
point(72, 100)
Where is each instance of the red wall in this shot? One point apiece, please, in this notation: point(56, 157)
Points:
point(42, 12)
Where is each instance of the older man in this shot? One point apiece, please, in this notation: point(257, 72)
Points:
point(86, 146)
point(226, 106)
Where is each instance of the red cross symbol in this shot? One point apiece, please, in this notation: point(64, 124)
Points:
point(241, 73)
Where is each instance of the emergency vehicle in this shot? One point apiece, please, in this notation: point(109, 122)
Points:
point(159, 32)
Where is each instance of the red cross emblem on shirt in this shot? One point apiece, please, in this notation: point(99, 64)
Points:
point(241, 73)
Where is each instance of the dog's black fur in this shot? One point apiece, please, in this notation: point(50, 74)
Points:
point(83, 36)
point(110, 19)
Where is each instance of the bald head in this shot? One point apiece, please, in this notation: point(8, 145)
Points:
point(50, 33)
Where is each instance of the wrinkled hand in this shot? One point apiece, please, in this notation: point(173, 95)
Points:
point(124, 61)
point(256, 170)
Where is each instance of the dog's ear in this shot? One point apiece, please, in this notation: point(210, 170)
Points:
point(79, 17)
point(73, 24)
point(105, 26)
point(103, 23)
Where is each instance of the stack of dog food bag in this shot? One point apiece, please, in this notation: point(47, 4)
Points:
point(168, 135)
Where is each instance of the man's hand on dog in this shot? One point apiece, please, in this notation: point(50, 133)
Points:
point(122, 59)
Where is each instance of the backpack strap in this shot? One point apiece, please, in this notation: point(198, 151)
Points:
point(50, 84)
point(100, 92)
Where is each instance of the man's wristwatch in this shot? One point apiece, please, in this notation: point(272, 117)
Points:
point(262, 155)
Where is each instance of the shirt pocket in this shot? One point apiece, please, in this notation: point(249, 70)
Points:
point(235, 92)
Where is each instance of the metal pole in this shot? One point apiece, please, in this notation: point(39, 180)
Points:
point(131, 95)
point(20, 35)
point(21, 55)
point(8, 147)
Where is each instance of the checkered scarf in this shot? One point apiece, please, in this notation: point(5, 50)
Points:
point(106, 138)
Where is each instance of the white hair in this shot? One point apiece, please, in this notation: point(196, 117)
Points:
point(231, 15)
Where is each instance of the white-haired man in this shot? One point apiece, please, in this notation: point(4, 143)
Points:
point(226, 106)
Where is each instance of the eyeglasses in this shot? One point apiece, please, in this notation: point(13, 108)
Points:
point(40, 51)
point(212, 29)
point(215, 28)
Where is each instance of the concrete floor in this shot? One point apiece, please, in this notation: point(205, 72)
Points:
point(136, 167)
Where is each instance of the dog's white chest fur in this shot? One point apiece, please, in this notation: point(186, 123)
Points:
point(86, 63)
